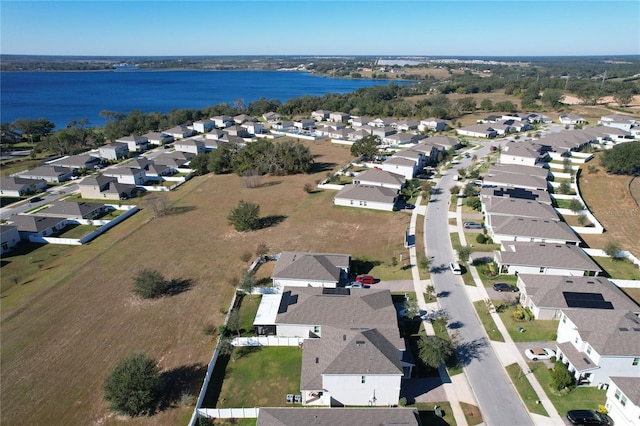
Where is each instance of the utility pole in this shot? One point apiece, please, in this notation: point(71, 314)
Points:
point(603, 78)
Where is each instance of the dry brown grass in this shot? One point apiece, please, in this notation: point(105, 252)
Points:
point(69, 324)
point(610, 200)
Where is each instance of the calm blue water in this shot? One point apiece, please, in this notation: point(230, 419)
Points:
point(64, 96)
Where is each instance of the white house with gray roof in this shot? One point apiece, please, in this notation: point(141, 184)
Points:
point(516, 257)
point(399, 165)
point(194, 146)
point(514, 180)
point(366, 197)
point(595, 344)
point(9, 237)
point(522, 153)
point(623, 400)
point(541, 196)
point(478, 131)
point(135, 142)
point(37, 225)
point(203, 126)
point(130, 175)
point(352, 352)
point(382, 178)
point(548, 295)
point(433, 124)
point(300, 269)
point(158, 138)
point(53, 174)
point(504, 229)
point(74, 210)
point(284, 416)
point(77, 162)
point(114, 151)
point(16, 186)
point(520, 169)
point(516, 207)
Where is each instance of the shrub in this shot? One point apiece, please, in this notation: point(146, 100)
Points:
point(149, 284)
point(245, 217)
point(402, 402)
point(134, 386)
point(560, 376)
point(481, 238)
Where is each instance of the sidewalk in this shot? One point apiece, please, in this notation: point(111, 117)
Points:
point(456, 388)
point(507, 352)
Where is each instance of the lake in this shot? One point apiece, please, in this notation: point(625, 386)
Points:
point(64, 96)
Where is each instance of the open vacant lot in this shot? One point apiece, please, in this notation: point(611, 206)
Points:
point(67, 324)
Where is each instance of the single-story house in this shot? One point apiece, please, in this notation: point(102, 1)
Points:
point(77, 162)
point(363, 120)
point(514, 180)
point(53, 174)
point(619, 121)
point(179, 132)
point(104, 187)
point(478, 131)
point(520, 169)
point(203, 126)
point(283, 416)
point(175, 160)
point(383, 132)
point(135, 143)
point(547, 295)
point(158, 138)
point(244, 118)
point(16, 186)
point(300, 269)
point(406, 125)
point(366, 197)
point(516, 207)
point(446, 142)
point(539, 195)
point(9, 237)
point(571, 119)
point(237, 131)
point(433, 124)
point(193, 146)
point(596, 344)
point(623, 400)
point(114, 151)
point(401, 138)
point(516, 257)
point(74, 210)
point(375, 177)
point(271, 117)
point(503, 229)
point(382, 122)
point(37, 225)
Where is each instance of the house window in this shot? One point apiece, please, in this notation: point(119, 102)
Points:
point(351, 201)
point(623, 401)
point(636, 361)
point(589, 349)
point(316, 329)
point(576, 341)
point(362, 379)
point(542, 269)
point(617, 394)
point(564, 319)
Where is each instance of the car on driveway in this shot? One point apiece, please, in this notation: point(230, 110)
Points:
point(588, 417)
point(418, 314)
point(537, 354)
point(500, 287)
point(355, 285)
point(472, 225)
point(365, 279)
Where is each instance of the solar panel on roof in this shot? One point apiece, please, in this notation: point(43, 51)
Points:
point(340, 291)
point(576, 299)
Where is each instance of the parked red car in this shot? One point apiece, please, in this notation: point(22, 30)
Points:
point(365, 279)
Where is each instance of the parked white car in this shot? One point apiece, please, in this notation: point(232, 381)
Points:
point(537, 354)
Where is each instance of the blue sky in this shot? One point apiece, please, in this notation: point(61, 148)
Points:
point(360, 27)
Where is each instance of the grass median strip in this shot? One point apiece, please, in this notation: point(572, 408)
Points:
point(487, 321)
point(528, 395)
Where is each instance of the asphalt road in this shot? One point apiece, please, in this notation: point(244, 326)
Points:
point(498, 401)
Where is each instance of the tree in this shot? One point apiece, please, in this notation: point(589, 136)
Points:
point(366, 147)
point(200, 163)
point(455, 190)
point(233, 322)
point(623, 97)
point(486, 105)
point(552, 98)
point(430, 292)
point(35, 129)
point(159, 204)
point(149, 284)
point(134, 386)
point(464, 253)
point(566, 166)
point(247, 282)
point(582, 219)
point(622, 159)
point(434, 350)
point(564, 188)
point(245, 217)
point(575, 205)
point(613, 250)
point(560, 376)
point(469, 190)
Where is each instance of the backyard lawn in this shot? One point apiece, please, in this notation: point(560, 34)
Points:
point(622, 269)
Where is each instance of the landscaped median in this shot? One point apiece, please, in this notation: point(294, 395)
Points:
point(487, 321)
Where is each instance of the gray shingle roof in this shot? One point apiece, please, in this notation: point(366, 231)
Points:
point(310, 266)
point(563, 256)
point(518, 169)
point(34, 223)
point(381, 176)
point(337, 417)
point(630, 386)
point(609, 332)
point(368, 193)
point(518, 207)
point(528, 227)
point(522, 149)
point(539, 195)
point(515, 180)
point(71, 209)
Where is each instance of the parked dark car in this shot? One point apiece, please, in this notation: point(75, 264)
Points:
point(472, 225)
point(588, 417)
point(505, 287)
point(365, 279)
point(35, 199)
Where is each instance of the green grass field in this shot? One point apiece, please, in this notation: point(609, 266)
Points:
point(534, 330)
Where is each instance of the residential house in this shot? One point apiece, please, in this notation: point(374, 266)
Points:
point(433, 124)
point(406, 125)
point(522, 153)
point(541, 196)
point(619, 121)
point(516, 257)
point(175, 160)
point(514, 180)
point(501, 129)
point(429, 150)
point(271, 117)
point(179, 132)
point(283, 125)
point(222, 121)
point(375, 177)
point(516, 126)
point(366, 197)
point(401, 138)
point(414, 155)
point(135, 143)
point(114, 151)
point(382, 132)
point(445, 142)
point(244, 118)
point(352, 349)
point(37, 225)
point(623, 400)
point(253, 128)
point(358, 134)
point(320, 115)
point(204, 126)
point(520, 169)
point(360, 121)
point(78, 162)
point(402, 166)
point(9, 238)
point(547, 295)
point(339, 117)
point(17, 186)
point(478, 131)
point(53, 174)
point(215, 134)
point(571, 119)
point(158, 138)
point(283, 416)
point(503, 229)
point(517, 207)
point(596, 344)
point(301, 269)
point(157, 171)
point(74, 210)
point(104, 187)
point(130, 175)
point(382, 122)
point(194, 146)
point(237, 131)
point(304, 123)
